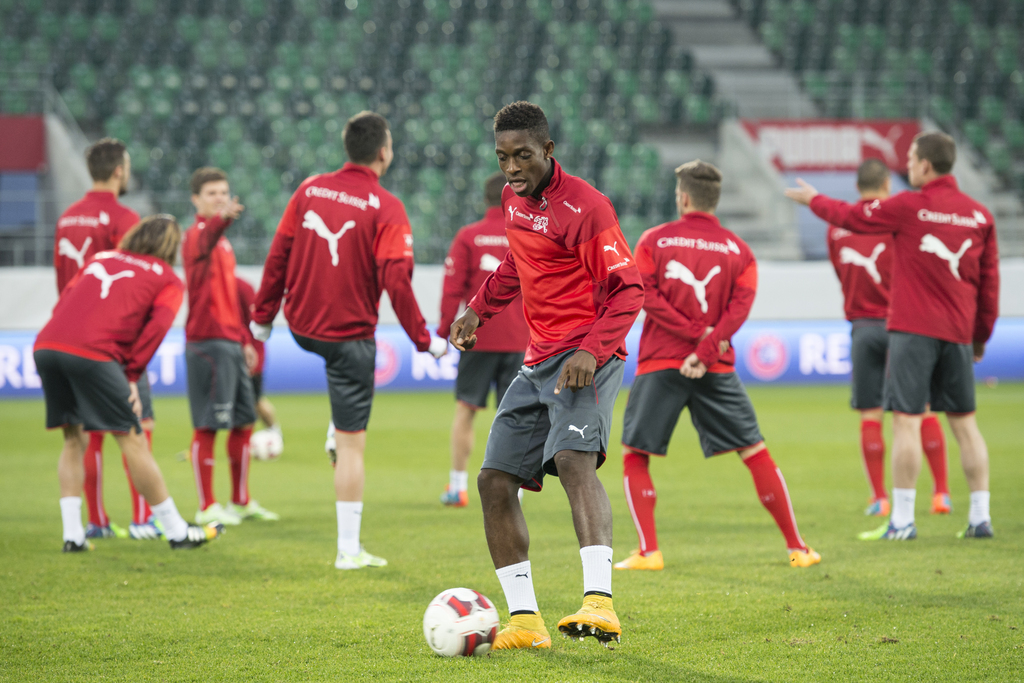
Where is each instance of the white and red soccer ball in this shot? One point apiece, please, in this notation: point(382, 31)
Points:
point(266, 444)
point(460, 623)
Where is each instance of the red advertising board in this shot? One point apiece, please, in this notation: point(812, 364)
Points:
point(832, 145)
point(22, 143)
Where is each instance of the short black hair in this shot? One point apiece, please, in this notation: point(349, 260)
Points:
point(938, 148)
point(523, 115)
point(364, 135)
point(871, 175)
point(103, 158)
point(493, 187)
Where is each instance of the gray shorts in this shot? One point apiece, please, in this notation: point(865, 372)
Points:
point(921, 367)
point(869, 347)
point(478, 370)
point(720, 410)
point(533, 424)
point(220, 390)
point(350, 368)
point(79, 391)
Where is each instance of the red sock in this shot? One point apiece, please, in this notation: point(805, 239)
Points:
point(872, 446)
point(238, 453)
point(771, 489)
point(641, 498)
point(140, 508)
point(934, 442)
point(94, 480)
point(202, 465)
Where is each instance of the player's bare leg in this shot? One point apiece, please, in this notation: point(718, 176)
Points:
point(872, 445)
point(508, 540)
point(349, 478)
point(71, 474)
point(456, 493)
point(150, 483)
point(974, 459)
point(592, 519)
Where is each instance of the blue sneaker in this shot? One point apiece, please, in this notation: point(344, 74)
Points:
point(109, 531)
point(983, 530)
point(887, 532)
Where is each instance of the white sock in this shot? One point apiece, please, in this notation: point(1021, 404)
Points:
point(597, 569)
point(350, 516)
point(517, 582)
point(458, 481)
point(175, 526)
point(979, 508)
point(902, 507)
point(71, 514)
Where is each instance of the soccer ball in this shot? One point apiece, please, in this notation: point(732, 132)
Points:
point(460, 623)
point(266, 444)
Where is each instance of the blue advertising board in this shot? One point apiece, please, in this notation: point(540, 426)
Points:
point(790, 352)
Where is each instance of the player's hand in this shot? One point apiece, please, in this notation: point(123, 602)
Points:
point(252, 359)
point(723, 346)
point(438, 347)
point(692, 367)
point(979, 351)
point(578, 372)
point(233, 209)
point(133, 398)
point(462, 332)
point(803, 194)
point(705, 335)
point(260, 332)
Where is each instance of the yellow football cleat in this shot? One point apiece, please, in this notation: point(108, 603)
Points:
point(804, 558)
point(654, 561)
point(524, 631)
point(595, 618)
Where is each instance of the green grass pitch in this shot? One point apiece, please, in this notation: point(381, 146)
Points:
point(264, 603)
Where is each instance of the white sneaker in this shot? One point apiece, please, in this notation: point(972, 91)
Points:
point(217, 513)
point(330, 446)
point(363, 559)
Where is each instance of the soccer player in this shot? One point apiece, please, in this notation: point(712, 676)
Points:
point(946, 282)
point(581, 293)
point(264, 408)
point(96, 223)
point(863, 264)
point(217, 357)
point(476, 252)
point(105, 328)
point(700, 280)
point(342, 241)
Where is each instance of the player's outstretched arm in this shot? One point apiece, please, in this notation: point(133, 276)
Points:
point(873, 216)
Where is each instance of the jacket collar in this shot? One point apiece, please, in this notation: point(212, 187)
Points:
point(553, 189)
point(943, 182)
point(349, 167)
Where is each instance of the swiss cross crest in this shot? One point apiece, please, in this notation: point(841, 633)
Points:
point(540, 223)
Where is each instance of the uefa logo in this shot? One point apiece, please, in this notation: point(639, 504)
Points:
point(386, 364)
point(767, 357)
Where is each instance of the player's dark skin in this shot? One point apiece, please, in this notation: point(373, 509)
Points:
point(526, 163)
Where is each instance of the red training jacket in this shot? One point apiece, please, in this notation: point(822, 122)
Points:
point(477, 250)
point(580, 287)
point(863, 264)
point(209, 264)
point(246, 296)
point(343, 240)
point(696, 275)
point(94, 223)
point(119, 307)
point(946, 268)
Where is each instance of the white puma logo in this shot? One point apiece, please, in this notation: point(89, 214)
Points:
point(614, 247)
point(97, 270)
point(574, 428)
point(849, 255)
point(677, 271)
point(489, 263)
point(511, 213)
point(66, 248)
point(933, 245)
point(312, 221)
